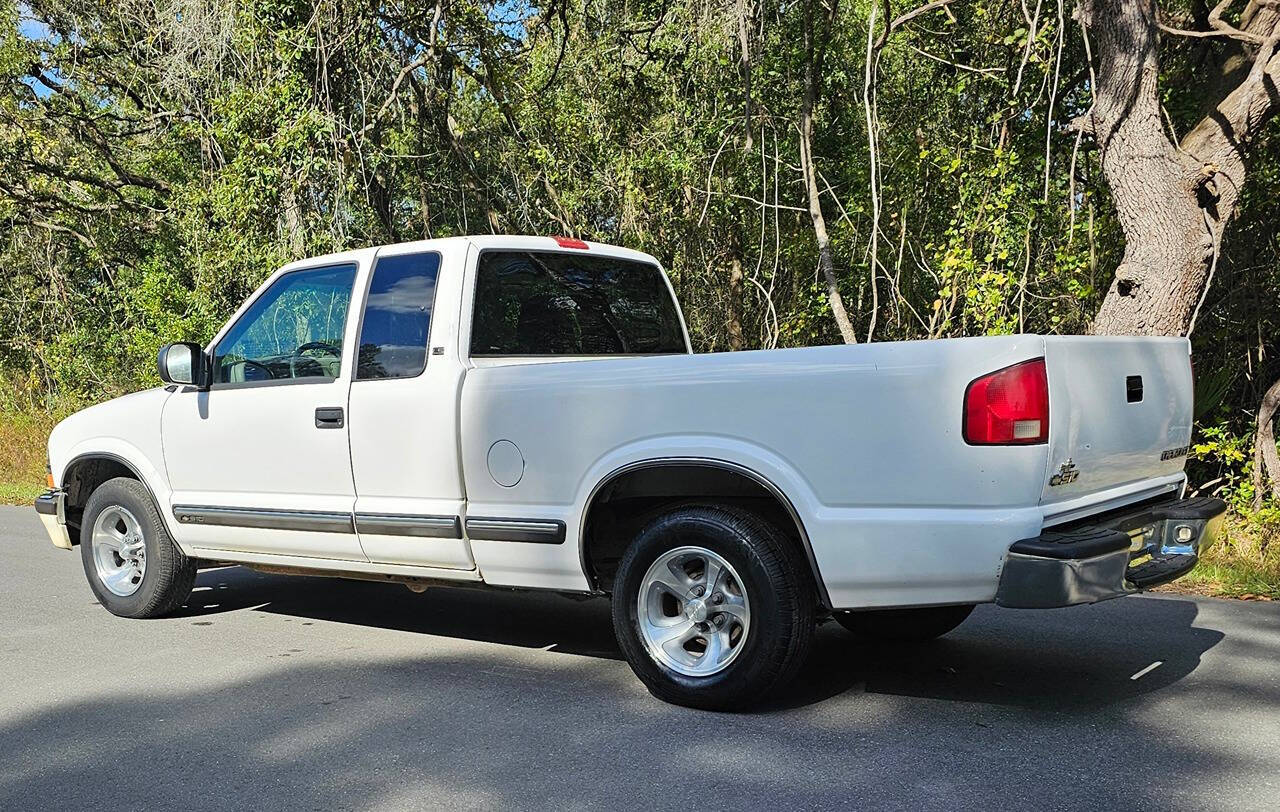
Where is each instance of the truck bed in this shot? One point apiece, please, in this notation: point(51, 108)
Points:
point(865, 441)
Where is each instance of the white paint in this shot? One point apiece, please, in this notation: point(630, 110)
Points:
point(1147, 670)
point(404, 432)
point(864, 441)
point(505, 463)
point(259, 447)
point(1110, 440)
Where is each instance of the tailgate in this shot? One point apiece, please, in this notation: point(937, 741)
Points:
point(1120, 411)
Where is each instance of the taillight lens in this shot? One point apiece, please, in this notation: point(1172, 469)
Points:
point(1008, 407)
point(570, 242)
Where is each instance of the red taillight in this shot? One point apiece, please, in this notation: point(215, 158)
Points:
point(570, 242)
point(1008, 407)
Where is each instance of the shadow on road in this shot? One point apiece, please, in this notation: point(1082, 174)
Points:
point(1068, 660)
point(526, 619)
point(1013, 710)
point(1076, 660)
point(318, 694)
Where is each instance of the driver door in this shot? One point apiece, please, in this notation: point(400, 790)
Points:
point(260, 463)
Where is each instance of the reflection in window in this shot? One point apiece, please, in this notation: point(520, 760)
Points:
point(397, 317)
point(293, 330)
point(535, 303)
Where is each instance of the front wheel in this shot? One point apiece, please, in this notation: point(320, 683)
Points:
point(711, 608)
point(905, 625)
point(133, 566)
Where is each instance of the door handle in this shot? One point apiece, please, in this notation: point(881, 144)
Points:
point(329, 417)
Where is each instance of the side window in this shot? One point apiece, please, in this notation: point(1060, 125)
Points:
point(536, 303)
point(397, 317)
point(293, 330)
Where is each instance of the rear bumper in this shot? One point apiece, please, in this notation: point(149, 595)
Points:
point(51, 507)
point(1117, 555)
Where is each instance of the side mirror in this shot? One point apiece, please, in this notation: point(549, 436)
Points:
point(184, 364)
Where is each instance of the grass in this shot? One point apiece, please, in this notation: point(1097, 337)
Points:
point(23, 456)
point(1245, 563)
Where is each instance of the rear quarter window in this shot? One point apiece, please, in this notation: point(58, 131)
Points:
point(396, 326)
point(547, 303)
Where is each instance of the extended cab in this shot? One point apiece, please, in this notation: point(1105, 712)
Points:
point(526, 412)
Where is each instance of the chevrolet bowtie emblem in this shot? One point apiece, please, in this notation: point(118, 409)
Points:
point(1066, 474)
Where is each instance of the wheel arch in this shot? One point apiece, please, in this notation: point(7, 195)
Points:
point(593, 550)
point(88, 470)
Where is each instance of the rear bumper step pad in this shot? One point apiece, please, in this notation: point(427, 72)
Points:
point(1086, 542)
point(1091, 563)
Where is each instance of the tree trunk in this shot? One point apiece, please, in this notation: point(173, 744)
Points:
point(1173, 200)
point(291, 217)
point(735, 299)
point(1265, 455)
point(826, 260)
point(745, 15)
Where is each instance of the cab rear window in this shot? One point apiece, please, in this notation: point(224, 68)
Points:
point(545, 303)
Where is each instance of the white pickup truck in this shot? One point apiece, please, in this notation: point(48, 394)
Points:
point(526, 412)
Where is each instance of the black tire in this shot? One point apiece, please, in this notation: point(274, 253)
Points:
point(168, 575)
point(779, 587)
point(905, 625)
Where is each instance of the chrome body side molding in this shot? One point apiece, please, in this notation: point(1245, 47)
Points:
point(383, 524)
point(532, 531)
point(394, 524)
point(314, 521)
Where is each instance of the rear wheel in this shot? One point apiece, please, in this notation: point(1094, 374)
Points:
point(710, 608)
point(905, 625)
point(133, 566)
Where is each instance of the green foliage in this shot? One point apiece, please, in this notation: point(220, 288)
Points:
point(1245, 562)
point(159, 160)
point(219, 143)
point(1225, 458)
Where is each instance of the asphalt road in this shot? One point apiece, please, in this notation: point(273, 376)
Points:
point(272, 692)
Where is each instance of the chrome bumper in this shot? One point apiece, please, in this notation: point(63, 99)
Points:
point(1114, 556)
point(52, 508)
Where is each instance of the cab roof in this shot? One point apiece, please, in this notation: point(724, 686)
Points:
point(514, 242)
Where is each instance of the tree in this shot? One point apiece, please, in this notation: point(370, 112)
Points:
point(1266, 457)
point(1174, 196)
point(807, 171)
point(818, 21)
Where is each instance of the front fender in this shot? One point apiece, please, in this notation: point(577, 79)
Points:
point(119, 451)
point(125, 430)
